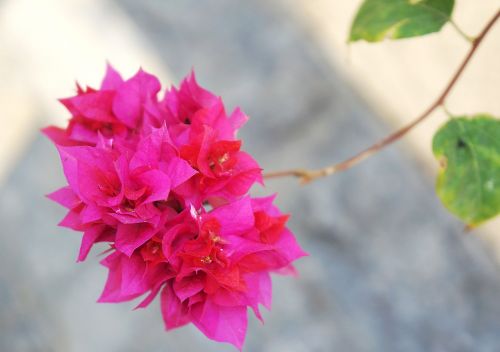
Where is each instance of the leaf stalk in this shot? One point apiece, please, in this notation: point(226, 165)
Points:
point(308, 175)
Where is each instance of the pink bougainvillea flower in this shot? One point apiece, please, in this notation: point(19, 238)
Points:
point(165, 183)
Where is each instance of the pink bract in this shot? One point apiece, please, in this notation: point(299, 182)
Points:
point(165, 182)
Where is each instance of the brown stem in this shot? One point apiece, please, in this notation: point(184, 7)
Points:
point(307, 175)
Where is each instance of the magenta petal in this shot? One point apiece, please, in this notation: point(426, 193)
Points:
point(261, 292)
point(131, 95)
point(66, 197)
point(57, 135)
point(266, 205)
point(135, 194)
point(235, 218)
point(90, 236)
point(149, 298)
point(83, 133)
point(179, 171)
point(203, 164)
point(70, 168)
point(239, 247)
point(153, 148)
point(174, 238)
point(156, 276)
point(112, 79)
point(95, 106)
point(90, 213)
point(158, 184)
point(229, 298)
point(129, 237)
point(188, 286)
point(88, 170)
point(133, 271)
point(127, 218)
point(289, 246)
point(112, 290)
point(201, 96)
point(240, 183)
point(223, 324)
point(265, 289)
point(151, 214)
point(72, 221)
point(238, 119)
point(175, 314)
point(112, 261)
point(246, 162)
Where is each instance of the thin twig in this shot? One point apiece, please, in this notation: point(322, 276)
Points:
point(306, 175)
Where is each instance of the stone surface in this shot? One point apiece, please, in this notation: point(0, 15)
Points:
point(389, 268)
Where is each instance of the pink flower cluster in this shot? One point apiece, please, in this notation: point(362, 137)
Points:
point(165, 183)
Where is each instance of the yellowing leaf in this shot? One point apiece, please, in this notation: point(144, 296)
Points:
point(469, 152)
point(396, 19)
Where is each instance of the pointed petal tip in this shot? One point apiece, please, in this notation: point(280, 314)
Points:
point(109, 66)
point(192, 74)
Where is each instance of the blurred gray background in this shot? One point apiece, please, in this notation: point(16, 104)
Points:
point(389, 269)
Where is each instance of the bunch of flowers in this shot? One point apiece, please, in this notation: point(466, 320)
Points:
point(165, 183)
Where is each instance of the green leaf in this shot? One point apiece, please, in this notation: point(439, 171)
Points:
point(396, 19)
point(469, 181)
